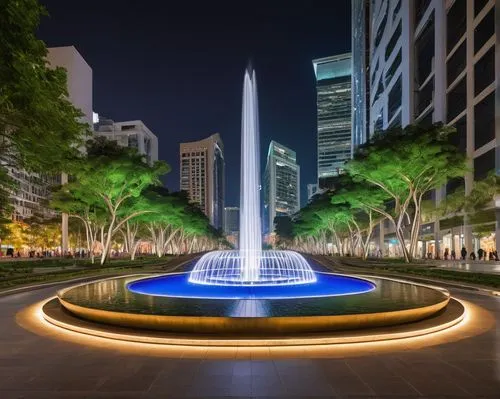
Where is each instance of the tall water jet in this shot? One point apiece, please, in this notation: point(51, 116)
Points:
point(250, 265)
point(250, 243)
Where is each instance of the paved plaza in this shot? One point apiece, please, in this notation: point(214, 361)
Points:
point(34, 365)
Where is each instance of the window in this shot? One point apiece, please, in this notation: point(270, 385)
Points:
point(394, 99)
point(133, 141)
point(484, 121)
point(396, 10)
point(479, 5)
point(484, 30)
point(374, 72)
point(456, 23)
point(393, 68)
point(396, 122)
point(456, 100)
point(484, 71)
point(379, 123)
point(456, 64)
point(426, 121)
point(392, 42)
point(459, 139)
point(424, 52)
point(424, 96)
point(484, 164)
point(381, 27)
point(420, 8)
point(380, 90)
point(455, 184)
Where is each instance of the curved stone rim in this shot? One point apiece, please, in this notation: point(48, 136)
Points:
point(259, 326)
point(53, 313)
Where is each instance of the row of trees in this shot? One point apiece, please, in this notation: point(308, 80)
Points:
point(389, 178)
point(117, 196)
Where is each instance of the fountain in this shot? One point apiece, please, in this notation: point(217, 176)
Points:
point(250, 292)
point(250, 265)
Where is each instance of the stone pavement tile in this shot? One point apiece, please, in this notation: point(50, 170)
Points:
point(241, 385)
point(263, 368)
point(216, 367)
point(391, 386)
point(242, 368)
point(210, 386)
point(127, 382)
point(428, 378)
point(171, 383)
point(268, 386)
point(317, 386)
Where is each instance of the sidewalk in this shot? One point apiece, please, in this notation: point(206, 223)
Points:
point(490, 267)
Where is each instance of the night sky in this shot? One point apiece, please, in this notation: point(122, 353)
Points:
point(178, 67)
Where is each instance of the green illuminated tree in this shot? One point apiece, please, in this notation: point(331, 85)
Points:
point(404, 164)
point(107, 179)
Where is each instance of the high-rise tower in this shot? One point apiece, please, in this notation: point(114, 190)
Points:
point(333, 84)
point(202, 176)
point(281, 184)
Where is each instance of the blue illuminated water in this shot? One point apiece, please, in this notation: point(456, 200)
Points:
point(178, 285)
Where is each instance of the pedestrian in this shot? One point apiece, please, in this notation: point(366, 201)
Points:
point(472, 256)
point(480, 253)
point(446, 253)
point(463, 253)
point(453, 255)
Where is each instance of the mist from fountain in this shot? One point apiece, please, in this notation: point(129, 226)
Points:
point(250, 265)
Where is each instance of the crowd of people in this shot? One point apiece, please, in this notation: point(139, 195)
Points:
point(481, 255)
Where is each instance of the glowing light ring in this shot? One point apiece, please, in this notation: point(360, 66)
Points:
point(274, 268)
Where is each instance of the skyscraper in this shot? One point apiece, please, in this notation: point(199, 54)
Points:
point(202, 171)
point(360, 79)
point(281, 184)
point(133, 134)
point(231, 220)
point(333, 85)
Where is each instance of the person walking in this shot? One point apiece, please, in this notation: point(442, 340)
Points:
point(480, 254)
point(463, 253)
point(446, 254)
point(453, 255)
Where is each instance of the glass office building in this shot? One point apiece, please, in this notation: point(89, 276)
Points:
point(333, 85)
point(281, 184)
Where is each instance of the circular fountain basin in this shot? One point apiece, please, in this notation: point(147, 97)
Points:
point(385, 302)
point(179, 286)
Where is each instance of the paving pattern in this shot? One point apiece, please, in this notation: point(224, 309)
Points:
point(37, 366)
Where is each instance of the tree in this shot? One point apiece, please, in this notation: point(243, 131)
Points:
point(364, 201)
point(115, 179)
point(40, 130)
point(74, 200)
point(404, 164)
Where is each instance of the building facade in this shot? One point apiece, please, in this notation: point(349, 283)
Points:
point(438, 61)
point(33, 189)
point(202, 173)
point(281, 184)
point(132, 134)
point(231, 220)
point(360, 78)
point(333, 86)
